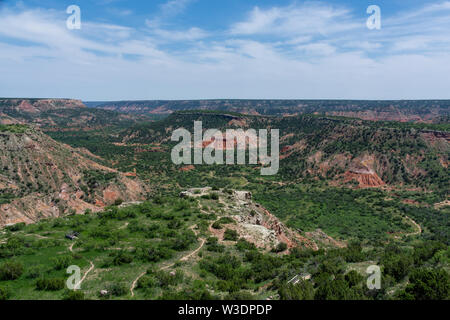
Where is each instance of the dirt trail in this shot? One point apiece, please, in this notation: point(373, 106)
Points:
point(184, 258)
point(133, 285)
point(419, 228)
point(78, 285)
point(124, 226)
point(195, 251)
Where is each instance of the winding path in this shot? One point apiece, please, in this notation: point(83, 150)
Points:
point(78, 285)
point(184, 258)
point(419, 228)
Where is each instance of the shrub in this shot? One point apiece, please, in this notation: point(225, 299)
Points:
point(303, 290)
point(146, 282)
point(243, 244)
point(35, 272)
point(63, 262)
point(281, 247)
point(10, 270)
point(213, 245)
point(428, 284)
point(16, 227)
point(240, 295)
point(122, 257)
point(73, 295)
point(217, 225)
point(353, 278)
point(117, 289)
point(5, 294)
point(214, 196)
point(230, 235)
point(54, 284)
point(118, 202)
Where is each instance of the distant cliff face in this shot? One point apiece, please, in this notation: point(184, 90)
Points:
point(404, 111)
point(59, 114)
point(41, 178)
point(35, 106)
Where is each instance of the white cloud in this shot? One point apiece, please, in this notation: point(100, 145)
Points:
point(174, 7)
point(308, 18)
point(273, 53)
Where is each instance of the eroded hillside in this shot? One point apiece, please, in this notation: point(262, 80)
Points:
point(40, 178)
point(60, 114)
point(345, 152)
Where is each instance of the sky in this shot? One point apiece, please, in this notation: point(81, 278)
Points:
point(227, 49)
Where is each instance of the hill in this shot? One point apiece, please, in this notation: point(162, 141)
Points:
point(341, 150)
point(43, 178)
point(61, 114)
point(406, 111)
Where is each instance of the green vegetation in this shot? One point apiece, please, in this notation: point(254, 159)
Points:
point(13, 128)
point(162, 239)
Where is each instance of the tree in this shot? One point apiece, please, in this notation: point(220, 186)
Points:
point(303, 290)
point(10, 270)
point(338, 289)
point(353, 278)
point(230, 235)
point(428, 284)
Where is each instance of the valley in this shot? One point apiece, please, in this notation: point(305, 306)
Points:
point(349, 193)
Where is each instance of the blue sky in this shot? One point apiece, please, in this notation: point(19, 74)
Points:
point(201, 49)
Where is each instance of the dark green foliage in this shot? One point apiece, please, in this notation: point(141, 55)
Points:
point(5, 293)
point(16, 227)
point(62, 262)
point(427, 284)
point(73, 295)
point(353, 278)
point(397, 263)
point(50, 284)
point(240, 295)
point(303, 290)
point(281, 247)
point(337, 289)
point(10, 270)
point(213, 245)
point(35, 272)
point(13, 128)
point(230, 235)
point(117, 289)
point(121, 257)
point(243, 245)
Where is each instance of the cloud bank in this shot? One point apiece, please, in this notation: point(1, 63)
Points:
point(308, 50)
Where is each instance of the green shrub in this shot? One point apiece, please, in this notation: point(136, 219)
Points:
point(281, 247)
point(47, 284)
point(117, 289)
point(73, 295)
point(217, 225)
point(61, 263)
point(16, 227)
point(230, 235)
point(146, 282)
point(118, 202)
point(35, 272)
point(122, 257)
point(5, 294)
point(10, 270)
